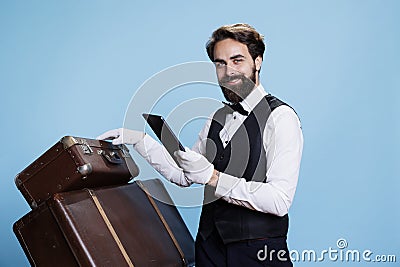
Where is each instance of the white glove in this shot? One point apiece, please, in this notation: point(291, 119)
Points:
point(195, 166)
point(122, 136)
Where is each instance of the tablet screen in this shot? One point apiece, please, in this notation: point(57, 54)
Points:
point(164, 133)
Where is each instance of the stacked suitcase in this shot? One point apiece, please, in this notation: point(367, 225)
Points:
point(86, 213)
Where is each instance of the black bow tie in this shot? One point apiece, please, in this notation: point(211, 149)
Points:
point(237, 107)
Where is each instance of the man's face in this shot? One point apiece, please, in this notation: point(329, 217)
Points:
point(236, 69)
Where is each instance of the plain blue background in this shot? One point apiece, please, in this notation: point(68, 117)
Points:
point(71, 68)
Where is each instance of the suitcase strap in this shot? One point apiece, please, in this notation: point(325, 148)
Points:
point(110, 228)
point(164, 222)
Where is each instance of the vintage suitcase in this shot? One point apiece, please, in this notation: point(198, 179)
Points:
point(165, 204)
point(75, 163)
point(112, 226)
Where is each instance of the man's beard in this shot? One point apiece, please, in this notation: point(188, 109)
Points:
point(238, 92)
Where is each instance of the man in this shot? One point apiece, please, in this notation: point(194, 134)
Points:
point(248, 156)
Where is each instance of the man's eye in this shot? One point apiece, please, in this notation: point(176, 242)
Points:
point(219, 64)
point(237, 61)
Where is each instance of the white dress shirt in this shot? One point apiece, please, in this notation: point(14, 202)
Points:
point(283, 144)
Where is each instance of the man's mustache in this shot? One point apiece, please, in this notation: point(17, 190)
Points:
point(231, 78)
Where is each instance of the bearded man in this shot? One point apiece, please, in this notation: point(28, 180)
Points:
point(247, 156)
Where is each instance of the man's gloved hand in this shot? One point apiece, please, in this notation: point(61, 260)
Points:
point(122, 136)
point(196, 167)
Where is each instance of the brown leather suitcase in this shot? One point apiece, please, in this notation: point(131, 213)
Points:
point(165, 204)
point(112, 226)
point(75, 163)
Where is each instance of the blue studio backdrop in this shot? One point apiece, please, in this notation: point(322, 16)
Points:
point(72, 67)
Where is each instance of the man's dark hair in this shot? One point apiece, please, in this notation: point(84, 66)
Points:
point(241, 32)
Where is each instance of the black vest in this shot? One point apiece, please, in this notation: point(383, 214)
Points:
point(244, 156)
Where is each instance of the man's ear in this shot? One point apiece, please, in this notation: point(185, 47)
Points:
point(258, 63)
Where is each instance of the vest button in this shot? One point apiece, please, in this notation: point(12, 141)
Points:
point(221, 157)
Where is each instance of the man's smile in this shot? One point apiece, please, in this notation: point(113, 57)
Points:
point(234, 81)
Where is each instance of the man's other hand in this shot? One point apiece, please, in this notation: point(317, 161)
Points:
point(196, 167)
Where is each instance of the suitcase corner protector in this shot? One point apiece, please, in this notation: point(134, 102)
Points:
point(17, 180)
point(68, 141)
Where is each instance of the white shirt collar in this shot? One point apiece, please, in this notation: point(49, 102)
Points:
point(251, 101)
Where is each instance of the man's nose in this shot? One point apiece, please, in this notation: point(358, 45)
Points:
point(230, 70)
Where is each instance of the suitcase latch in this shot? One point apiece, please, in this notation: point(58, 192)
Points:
point(69, 141)
point(125, 151)
point(112, 157)
point(85, 147)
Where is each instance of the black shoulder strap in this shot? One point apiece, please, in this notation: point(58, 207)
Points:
point(275, 102)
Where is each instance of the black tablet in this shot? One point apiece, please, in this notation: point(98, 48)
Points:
point(164, 133)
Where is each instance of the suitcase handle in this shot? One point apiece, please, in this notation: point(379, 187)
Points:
point(112, 157)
